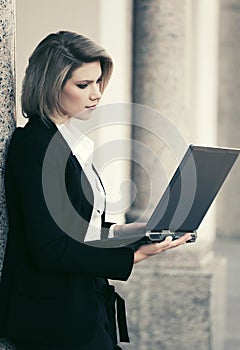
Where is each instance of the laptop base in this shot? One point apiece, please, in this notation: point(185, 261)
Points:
point(136, 241)
point(160, 236)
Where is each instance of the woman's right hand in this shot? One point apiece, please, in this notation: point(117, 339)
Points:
point(148, 250)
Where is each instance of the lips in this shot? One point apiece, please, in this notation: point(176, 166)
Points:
point(91, 107)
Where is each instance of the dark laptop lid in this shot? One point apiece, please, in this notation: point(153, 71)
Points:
point(192, 189)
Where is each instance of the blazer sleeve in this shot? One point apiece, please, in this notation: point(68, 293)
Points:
point(49, 244)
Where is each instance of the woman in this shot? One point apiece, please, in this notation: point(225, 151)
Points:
point(54, 292)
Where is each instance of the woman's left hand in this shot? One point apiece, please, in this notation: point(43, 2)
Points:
point(148, 250)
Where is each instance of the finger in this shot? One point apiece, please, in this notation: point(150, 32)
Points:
point(181, 240)
point(164, 244)
point(186, 237)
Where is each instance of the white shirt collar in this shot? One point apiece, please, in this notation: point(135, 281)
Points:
point(82, 147)
point(79, 143)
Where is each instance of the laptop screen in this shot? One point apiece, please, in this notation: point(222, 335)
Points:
point(192, 189)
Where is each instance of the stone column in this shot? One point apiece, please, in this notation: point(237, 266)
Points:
point(228, 224)
point(175, 300)
point(7, 110)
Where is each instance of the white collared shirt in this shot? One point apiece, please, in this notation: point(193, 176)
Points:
point(83, 147)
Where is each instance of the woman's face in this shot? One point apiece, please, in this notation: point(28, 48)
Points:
point(81, 92)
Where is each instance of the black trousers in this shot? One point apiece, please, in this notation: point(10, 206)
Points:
point(28, 346)
point(33, 346)
point(101, 340)
point(105, 337)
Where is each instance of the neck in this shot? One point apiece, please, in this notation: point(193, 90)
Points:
point(60, 120)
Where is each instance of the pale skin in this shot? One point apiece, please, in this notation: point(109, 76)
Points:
point(80, 97)
point(148, 250)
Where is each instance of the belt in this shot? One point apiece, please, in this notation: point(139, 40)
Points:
point(116, 310)
point(117, 306)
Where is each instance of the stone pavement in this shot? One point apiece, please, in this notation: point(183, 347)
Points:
point(230, 248)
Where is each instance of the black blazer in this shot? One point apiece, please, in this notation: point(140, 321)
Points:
point(48, 290)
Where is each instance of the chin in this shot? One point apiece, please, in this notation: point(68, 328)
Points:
point(84, 115)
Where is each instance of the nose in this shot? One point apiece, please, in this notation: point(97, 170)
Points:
point(95, 93)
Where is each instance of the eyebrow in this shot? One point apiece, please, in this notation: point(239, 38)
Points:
point(87, 81)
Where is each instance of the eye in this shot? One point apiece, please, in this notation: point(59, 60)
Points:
point(82, 86)
point(99, 81)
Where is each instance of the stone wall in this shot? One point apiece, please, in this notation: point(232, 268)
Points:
point(7, 108)
point(228, 223)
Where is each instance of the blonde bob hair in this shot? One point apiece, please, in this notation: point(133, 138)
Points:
point(51, 65)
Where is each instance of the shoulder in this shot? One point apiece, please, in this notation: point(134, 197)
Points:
point(34, 140)
point(33, 134)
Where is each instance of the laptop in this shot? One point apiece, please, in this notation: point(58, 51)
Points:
point(187, 198)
